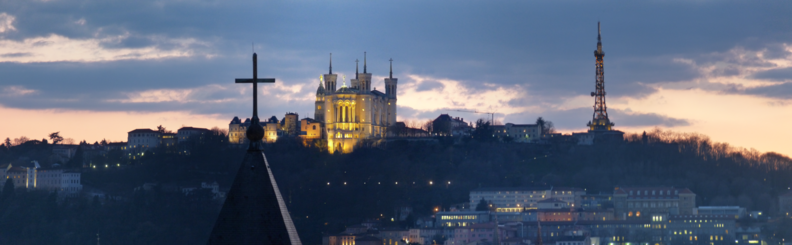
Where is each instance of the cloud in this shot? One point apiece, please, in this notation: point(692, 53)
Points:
point(17, 91)
point(56, 48)
point(425, 93)
point(6, 22)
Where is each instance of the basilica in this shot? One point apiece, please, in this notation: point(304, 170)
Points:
point(343, 116)
point(351, 113)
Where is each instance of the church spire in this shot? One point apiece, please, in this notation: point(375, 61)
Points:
point(364, 62)
point(356, 68)
point(391, 68)
point(331, 63)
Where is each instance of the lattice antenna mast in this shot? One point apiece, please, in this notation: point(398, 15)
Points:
point(600, 109)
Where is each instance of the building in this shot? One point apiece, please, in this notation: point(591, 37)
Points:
point(237, 130)
point(64, 152)
point(785, 203)
point(596, 201)
point(140, 140)
point(461, 218)
point(643, 202)
point(187, 133)
point(356, 112)
point(523, 133)
point(515, 199)
point(289, 124)
point(310, 129)
point(33, 177)
point(445, 125)
point(709, 228)
point(735, 211)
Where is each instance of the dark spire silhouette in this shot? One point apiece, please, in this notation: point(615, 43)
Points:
point(364, 62)
point(331, 63)
point(356, 68)
point(254, 211)
point(391, 68)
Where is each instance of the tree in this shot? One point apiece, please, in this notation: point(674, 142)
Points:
point(55, 137)
point(482, 205)
point(104, 142)
point(162, 130)
point(547, 126)
point(483, 131)
point(8, 190)
point(77, 160)
point(8, 142)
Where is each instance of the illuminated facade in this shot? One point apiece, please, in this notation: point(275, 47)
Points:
point(62, 180)
point(237, 129)
point(350, 114)
point(516, 199)
point(643, 202)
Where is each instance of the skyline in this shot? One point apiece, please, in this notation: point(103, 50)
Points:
point(713, 68)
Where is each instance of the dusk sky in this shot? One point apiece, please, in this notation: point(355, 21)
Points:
point(97, 69)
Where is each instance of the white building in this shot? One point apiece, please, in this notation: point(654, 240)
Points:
point(185, 133)
point(518, 132)
point(140, 140)
point(515, 199)
point(36, 178)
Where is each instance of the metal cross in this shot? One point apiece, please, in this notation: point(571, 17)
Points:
point(255, 82)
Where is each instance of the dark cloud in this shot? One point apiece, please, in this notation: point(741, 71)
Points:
point(576, 119)
point(782, 74)
point(779, 91)
point(20, 54)
point(544, 47)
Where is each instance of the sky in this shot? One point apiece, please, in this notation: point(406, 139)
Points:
point(94, 70)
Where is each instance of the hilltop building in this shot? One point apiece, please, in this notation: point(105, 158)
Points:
point(143, 139)
point(343, 116)
point(33, 177)
point(517, 199)
point(357, 112)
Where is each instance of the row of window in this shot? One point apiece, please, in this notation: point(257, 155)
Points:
point(652, 204)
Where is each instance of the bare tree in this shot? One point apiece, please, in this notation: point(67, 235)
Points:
point(55, 137)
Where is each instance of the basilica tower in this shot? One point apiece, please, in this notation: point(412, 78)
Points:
point(600, 120)
point(330, 79)
point(320, 102)
point(390, 93)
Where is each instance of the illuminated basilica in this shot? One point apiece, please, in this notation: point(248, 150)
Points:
point(351, 113)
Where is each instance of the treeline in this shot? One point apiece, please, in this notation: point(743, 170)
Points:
point(326, 192)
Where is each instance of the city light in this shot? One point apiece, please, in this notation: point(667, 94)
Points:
point(430, 182)
point(328, 183)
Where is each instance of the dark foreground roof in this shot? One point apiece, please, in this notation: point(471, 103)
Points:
point(254, 211)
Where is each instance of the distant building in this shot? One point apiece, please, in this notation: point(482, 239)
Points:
point(237, 130)
point(785, 203)
point(461, 218)
point(515, 199)
point(705, 228)
point(140, 140)
point(735, 211)
point(310, 129)
point(445, 125)
point(643, 202)
point(33, 177)
point(523, 133)
point(187, 133)
point(596, 201)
